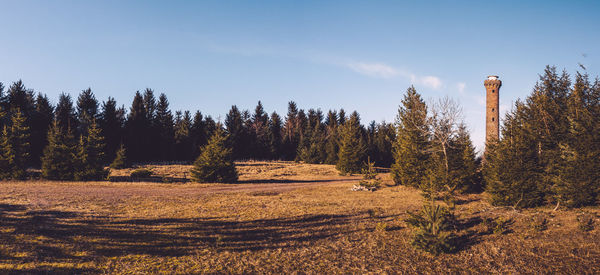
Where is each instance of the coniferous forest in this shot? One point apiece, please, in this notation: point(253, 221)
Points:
point(548, 153)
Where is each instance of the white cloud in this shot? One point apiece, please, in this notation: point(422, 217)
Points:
point(374, 69)
point(461, 87)
point(382, 70)
point(433, 82)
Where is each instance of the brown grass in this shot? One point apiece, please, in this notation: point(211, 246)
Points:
point(282, 218)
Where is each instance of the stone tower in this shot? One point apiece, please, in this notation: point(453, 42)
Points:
point(492, 122)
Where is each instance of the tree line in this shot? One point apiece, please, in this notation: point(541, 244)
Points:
point(549, 152)
point(85, 133)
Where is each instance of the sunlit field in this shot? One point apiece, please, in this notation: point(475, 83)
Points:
point(281, 217)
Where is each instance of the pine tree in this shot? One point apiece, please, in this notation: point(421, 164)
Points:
point(260, 133)
point(58, 161)
point(137, 126)
point(410, 149)
point(5, 154)
point(511, 170)
point(87, 110)
point(15, 146)
point(275, 138)
point(237, 132)
point(19, 98)
point(464, 174)
point(183, 140)
point(65, 114)
point(90, 155)
point(215, 163)
point(120, 161)
point(198, 134)
point(331, 138)
point(291, 132)
point(352, 146)
point(166, 132)
point(40, 123)
point(111, 122)
point(578, 175)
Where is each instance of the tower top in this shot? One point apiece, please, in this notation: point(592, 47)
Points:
point(492, 77)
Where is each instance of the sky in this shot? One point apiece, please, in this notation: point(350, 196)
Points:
point(356, 55)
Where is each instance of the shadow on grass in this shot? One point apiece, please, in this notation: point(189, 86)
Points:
point(58, 236)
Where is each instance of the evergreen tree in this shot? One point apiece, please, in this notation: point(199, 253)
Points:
point(65, 114)
point(260, 132)
point(215, 163)
point(5, 154)
point(15, 146)
point(183, 142)
point(237, 132)
point(58, 161)
point(464, 174)
point(19, 99)
point(40, 123)
point(90, 155)
point(198, 134)
point(120, 161)
point(352, 151)
point(275, 138)
point(383, 144)
point(291, 132)
point(410, 149)
point(152, 134)
point(87, 110)
point(111, 122)
point(165, 130)
point(511, 170)
point(137, 125)
point(578, 180)
point(331, 139)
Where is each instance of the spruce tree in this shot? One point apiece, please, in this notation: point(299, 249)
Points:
point(164, 126)
point(15, 146)
point(237, 132)
point(331, 138)
point(183, 139)
point(412, 142)
point(578, 176)
point(464, 174)
point(40, 123)
point(215, 163)
point(260, 133)
point(65, 114)
point(5, 154)
point(275, 138)
point(137, 126)
point(120, 161)
point(59, 159)
point(111, 122)
point(291, 132)
point(90, 155)
point(87, 110)
point(352, 151)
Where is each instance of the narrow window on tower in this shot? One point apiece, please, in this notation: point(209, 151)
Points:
point(493, 91)
point(492, 109)
point(492, 119)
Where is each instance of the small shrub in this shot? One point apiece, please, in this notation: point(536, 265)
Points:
point(370, 180)
point(141, 173)
point(120, 161)
point(585, 221)
point(433, 230)
point(215, 163)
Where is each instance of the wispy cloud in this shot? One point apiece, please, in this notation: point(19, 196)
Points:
point(382, 70)
point(461, 87)
point(374, 69)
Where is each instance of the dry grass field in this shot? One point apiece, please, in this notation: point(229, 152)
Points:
point(281, 218)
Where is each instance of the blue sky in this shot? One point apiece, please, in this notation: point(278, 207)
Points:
point(356, 55)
